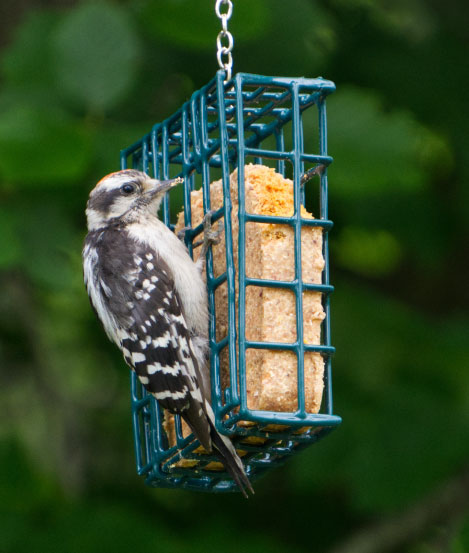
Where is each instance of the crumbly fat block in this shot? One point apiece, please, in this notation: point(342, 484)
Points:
point(270, 312)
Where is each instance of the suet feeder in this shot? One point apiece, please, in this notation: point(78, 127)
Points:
point(274, 121)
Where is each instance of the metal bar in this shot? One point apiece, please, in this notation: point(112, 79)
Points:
point(290, 284)
point(291, 418)
point(326, 326)
point(185, 172)
point(176, 156)
point(136, 422)
point(201, 149)
point(154, 149)
point(319, 84)
point(165, 171)
point(294, 346)
point(297, 200)
point(251, 217)
point(214, 283)
point(145, 156)
point(241, 246)
point(134, 147)
point(123, 159)
point(280, 145)
point(230, 270)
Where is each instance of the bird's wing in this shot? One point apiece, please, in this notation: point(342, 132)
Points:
point(151, 330)
point(154, 336)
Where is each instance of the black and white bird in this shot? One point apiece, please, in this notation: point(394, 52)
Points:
point(152, 301)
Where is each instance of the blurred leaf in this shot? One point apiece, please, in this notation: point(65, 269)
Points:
point(24, 489)
point(84, 376)
point(96, 51)
point(37, 97)
point(397, 376)
point(306, 29)
point(377, 151)
point(46, 258)
point(27, 60)
point(10, 246)
point(109, 140)
point(412, 19)
point(41, 146)
point(300, 39)
point(461, 541)
point(370, 253)
point(194, 24)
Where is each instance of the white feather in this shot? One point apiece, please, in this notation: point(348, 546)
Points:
point(90, 259)
point(187, 278)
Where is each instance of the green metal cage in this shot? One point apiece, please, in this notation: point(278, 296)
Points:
point(268, 120)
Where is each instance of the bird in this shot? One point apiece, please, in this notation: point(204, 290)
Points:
point(151, 299)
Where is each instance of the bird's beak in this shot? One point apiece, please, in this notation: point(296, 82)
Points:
point(159, 187)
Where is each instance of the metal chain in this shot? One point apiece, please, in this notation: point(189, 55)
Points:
point(224, 57)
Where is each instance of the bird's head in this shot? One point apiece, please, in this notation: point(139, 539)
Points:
point(126, 193)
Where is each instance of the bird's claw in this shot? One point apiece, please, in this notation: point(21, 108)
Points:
point(211, 236)
point(181, 234)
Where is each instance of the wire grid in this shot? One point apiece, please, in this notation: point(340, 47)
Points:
point(219, 129)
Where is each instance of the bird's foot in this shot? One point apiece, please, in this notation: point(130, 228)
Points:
point(211, 236)
point(181, 234)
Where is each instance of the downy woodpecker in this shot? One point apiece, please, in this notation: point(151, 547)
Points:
point(151, 299)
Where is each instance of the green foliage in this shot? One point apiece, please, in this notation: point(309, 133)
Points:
point(394, 152)
point(27, 60)
point(42, 147)
point(10, 245)
point(191, 25)
point(372, 254)
point(80, 83)
point(390, 361)
point(95, 51)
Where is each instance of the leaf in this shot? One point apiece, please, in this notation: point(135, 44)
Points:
point(377, 151)
point(194, 24)
point(370, 253)
point(46, 260)
point(397, 377)
point(460, 543)
point(96, 54)
point(10, 245)
point(41, 146)
point(109, 140)
point(27, 60)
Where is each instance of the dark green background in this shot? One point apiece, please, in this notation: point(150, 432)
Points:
point(81, 80)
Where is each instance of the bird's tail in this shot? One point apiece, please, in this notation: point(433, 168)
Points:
point(207, 434)
point(228, 456)
point(231, 460)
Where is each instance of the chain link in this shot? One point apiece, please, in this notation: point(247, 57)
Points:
point(225, 38)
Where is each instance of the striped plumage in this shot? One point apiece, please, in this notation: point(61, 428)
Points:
point(151, 300)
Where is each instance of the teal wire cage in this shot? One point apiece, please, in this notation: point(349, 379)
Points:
point(224, 126)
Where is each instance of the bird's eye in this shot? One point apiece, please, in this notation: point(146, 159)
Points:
point(128, 188)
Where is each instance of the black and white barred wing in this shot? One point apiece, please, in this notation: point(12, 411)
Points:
point(133, 293)
point(158, 345)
